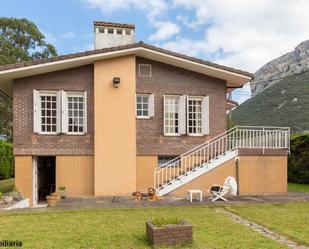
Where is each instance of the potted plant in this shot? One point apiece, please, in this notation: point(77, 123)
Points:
point(51, 200)
point(168, 231)
point(57, 195)
point(62, 191)
point(8, 199)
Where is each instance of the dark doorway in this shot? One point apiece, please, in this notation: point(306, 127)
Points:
point(46, 176)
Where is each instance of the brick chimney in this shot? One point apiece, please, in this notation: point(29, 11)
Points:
point(108, 34)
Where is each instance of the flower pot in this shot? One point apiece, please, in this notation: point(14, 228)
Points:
point(57, 195)
point(52, 200)
point(8, 199)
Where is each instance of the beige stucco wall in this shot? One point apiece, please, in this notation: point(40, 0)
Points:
point(257, 175)
point(204, 182)
point(263, 175)
point(115, 127)
point(145, 166)
point(76, 174)
point(23, 175)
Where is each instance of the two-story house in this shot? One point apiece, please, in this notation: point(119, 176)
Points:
point(127, 116)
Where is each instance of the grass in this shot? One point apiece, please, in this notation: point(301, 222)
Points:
point(288, 219)
point(159, 222)
point(7, 185)
point(124, 228)
point(297, 187)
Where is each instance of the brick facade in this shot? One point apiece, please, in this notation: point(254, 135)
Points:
point(28, 143)
point(169, 234)
point(167, 79)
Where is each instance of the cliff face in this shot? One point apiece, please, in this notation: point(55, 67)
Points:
point(291, 63)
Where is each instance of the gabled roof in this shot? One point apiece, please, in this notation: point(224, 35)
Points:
point(234, 77)
point(114, 24)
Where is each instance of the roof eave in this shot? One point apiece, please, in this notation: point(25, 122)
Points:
point(233, 79)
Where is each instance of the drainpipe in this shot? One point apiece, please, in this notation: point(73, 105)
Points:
point(237, 173)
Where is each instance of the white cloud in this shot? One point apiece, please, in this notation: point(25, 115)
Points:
point(152, 8)
point(165, 30)
point(249, 33)
point(154, 11)
point(68, 35)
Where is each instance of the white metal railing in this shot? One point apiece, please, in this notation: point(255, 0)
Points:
point(237, 137)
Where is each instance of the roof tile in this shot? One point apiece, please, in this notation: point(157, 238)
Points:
point(123, 47)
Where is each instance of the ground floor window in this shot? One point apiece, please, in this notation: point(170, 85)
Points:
point(164, 159)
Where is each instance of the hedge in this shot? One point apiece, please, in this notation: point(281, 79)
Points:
point(298, 164)
point(6, 160)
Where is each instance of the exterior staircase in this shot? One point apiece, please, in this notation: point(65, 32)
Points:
point(215, 152)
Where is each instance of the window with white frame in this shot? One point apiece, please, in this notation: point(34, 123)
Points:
point(194, 115)
point(144, 105)
point(171, 115)
point(76, 112)
point(186, 115)
point(59, 112)
point(48, 112)
point(144, 70)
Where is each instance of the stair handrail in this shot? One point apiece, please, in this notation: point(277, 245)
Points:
point(233, 137)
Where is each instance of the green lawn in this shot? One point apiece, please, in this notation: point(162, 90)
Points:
point(124, 228)
point(6, 185)
point(289, 219)
point(298, 187)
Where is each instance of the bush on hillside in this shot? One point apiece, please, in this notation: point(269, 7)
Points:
point(6, 160)
point(298, 164)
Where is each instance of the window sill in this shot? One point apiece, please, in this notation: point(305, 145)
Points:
point(74, 133)
point(172, 135)
point(47, 133)
point(196, 135)
point(142, 117)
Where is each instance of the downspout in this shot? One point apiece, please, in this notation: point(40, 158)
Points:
point(237, 173)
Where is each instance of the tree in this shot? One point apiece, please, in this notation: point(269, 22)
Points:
point(20, 40)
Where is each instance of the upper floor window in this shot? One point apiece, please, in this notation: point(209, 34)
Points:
point(48, 106)
point(59, 112)
point(194, 115)
point(186, 115)
point(119, 31)
point(144, 70)
point(144, 105)
point(128, 32)
point(76, 112)
point(171, 115)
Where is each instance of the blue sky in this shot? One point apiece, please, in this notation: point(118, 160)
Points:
point(239, 33)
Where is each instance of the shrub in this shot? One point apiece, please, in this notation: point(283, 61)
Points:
point(158, 222)
point(298, 163)
point(6, 160)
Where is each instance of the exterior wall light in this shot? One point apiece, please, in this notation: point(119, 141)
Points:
point(116, 82)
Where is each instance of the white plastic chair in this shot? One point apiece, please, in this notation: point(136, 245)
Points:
point(218, 191)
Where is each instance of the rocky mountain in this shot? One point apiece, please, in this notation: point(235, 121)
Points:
point(285, 103)
point(294, 62)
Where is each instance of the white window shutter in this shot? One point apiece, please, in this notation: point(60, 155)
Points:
point(182, 115)
point(36, 112)
point(164, 114)
point(151, 111)
point(85, 112)
point(64, 112)
point(205, 115)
